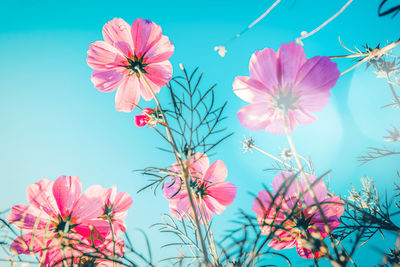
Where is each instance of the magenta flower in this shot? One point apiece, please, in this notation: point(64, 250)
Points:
point(298, 218)
point(149, 117)
point(210, 191)
point(58, 216)
point(126, 57)
point(284, 84)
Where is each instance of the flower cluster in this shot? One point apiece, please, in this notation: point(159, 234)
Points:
point(61, 224)
point(299, 214)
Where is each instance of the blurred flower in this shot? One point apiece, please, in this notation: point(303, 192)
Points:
point(386, 69)
point(248, 144)
point(367, 197)
point(149, 117)
point(125, 55)
point(221, 50)
point(284, 84)
point(394, 136)
point(286, 154)
point(293, 217)
point(210, 191)
point(57, 219)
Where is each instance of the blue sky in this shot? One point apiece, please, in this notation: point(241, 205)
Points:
point(55, 122)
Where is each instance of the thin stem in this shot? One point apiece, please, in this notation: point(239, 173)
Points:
point(112, 235)
point(298, 40)
point(184, 170)
point(274, 157)
point(196, 219)
point(293, 149)
point(253, 23)
point(396, 97)
point(303, 174)
point(305, 160)
point(347, 254)
point(376, 53)
point(170, 136)
point(350, 56)
point(210, 237)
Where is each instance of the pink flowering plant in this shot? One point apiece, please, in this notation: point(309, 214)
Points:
point(62, 225)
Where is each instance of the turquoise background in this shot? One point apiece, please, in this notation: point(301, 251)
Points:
point(53, 121)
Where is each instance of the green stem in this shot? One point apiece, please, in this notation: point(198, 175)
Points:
point(184, 170)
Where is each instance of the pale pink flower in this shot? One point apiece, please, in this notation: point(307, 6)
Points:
point(298, 216)
point(284, 84)
point(126, 52)
point(211, 193)
point(57, 213)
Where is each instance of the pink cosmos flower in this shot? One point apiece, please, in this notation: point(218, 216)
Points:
point(149, 117)
point(210, 191)
point(126, 54)
point(58, 215)
point(284, 84)
point(298, 219)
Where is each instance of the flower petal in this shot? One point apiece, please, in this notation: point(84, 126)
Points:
point(313, 82)
point(305, 252)
point(255, 116)
point(128, 94)
point(28, 243)
point(28, 217)
point(174, 189)
point(291, 57)
point(332, 208)
point(103, 56)
point(251, 90)
point(159, 73)
point(217, 172)
point(40, 195)
point(318, 189)
point(223, 192)
point(123, 202)
point(283, 241)
point(91, 204)
point(98, 228)
point(265, 208)
point(181, 207)
point(276, 124)
point(199, 164)
point(107, 80)
point(160, 51)
point(263, 67)
point(145, 91)
point(117, 33)
point(145, 34)
point(66, 191)
point(281, 185)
